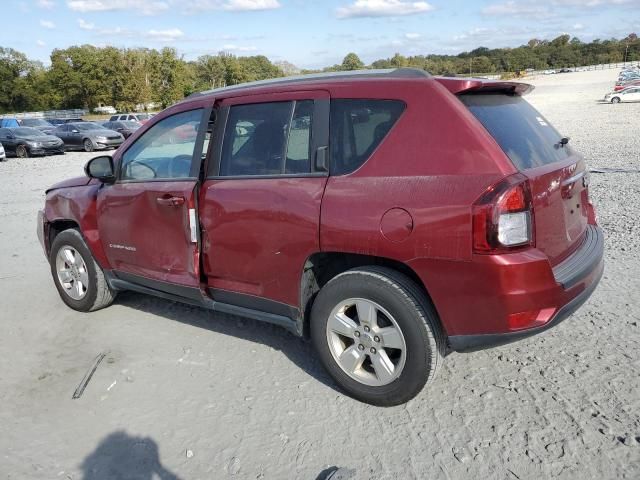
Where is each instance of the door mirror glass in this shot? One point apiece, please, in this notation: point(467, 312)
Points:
point(100, 168)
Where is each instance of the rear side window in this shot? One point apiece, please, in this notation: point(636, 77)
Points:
point(268, 139)
point(527, 138)
point(357, 128)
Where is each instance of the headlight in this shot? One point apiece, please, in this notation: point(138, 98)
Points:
point(34, 144)
point(101, 139)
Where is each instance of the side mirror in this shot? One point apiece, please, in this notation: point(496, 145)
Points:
point(75, 131)
point(101, 168)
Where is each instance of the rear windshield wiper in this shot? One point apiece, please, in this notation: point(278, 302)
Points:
point(563, 141)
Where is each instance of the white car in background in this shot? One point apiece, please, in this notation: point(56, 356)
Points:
point(631, 94)
point(3, 156)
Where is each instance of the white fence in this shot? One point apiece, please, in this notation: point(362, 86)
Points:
point(76, 113)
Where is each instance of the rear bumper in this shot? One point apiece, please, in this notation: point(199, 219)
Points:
point(574, 280)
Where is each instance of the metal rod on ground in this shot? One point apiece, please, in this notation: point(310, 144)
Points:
point(87, 376)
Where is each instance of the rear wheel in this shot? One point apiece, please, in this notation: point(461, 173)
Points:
point(22, 151)
point(377, 335)
point(88, 145)
point(615, 100)
point(78, 278)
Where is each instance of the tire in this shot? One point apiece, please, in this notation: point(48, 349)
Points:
point(87, 145)
point(398, 303)
point(615, 100)
point(22, 151)
point(96, 294)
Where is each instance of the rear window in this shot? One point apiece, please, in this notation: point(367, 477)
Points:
point(527, 138)
point(357, 128)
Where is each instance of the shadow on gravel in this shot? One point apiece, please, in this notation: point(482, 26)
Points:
point(121, 456)
point(299, 351)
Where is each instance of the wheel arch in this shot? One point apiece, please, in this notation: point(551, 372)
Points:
point(320, 267)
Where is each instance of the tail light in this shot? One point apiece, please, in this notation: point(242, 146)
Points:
point(503, 217)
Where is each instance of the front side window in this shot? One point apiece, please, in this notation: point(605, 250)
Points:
point(357, 127)
point(268, 139)
point(165, 151)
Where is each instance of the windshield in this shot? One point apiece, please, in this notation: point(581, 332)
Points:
point(28, 132)
point(143, 116)
point(132, 124)
point(35, 122)
point(527, 138)
point(84, 126)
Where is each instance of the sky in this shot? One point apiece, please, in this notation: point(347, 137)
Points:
point(309, 34)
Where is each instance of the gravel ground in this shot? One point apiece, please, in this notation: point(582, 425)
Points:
point(186, 392)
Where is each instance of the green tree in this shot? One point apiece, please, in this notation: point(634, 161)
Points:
point(351, 62)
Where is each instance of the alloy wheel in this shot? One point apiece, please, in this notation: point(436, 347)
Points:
point(72, 272)
point(366, 342)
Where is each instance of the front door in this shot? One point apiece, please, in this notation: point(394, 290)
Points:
point(147, 220)
point(260, 205)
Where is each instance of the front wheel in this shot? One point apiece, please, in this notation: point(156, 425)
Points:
point(615, 100)
point(88, 145)
point(78, 278)
point(377, 335)
point(22, 151)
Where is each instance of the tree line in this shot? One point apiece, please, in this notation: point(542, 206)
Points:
point(87, 76)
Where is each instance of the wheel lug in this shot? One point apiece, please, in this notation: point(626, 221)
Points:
point(356, 333)
point(376, 338)
point(361, 347)
point(373, 350)
point(366, 329)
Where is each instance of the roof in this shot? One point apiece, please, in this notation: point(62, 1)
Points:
point(324, 77)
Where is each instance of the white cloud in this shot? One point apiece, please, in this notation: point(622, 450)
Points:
point(412, 36)
point(85, 25)
point(548, 8)
point(46, 4)
point(578, 26)
point(517, 9)
point(47, 24)
point(238, 48)
point(382, 8)
point(146, 7)
point(40, 43)
point(168, 35)
point(251, 5)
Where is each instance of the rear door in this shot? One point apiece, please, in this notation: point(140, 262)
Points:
point(148, 219)
point(260, 205)
point(557, 173)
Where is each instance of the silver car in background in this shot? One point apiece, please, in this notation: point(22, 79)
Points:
point(87, 136)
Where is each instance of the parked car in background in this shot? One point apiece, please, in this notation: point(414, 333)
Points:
point(38, 123)
point(337, 217)
point(622, 85)
point(61, 121)
point(125, 127)
point(8, 123)
point(88, 136)
point(136, 117)
point(25, 141)
point(630, 94)
point(3, 155)
point(105, 110)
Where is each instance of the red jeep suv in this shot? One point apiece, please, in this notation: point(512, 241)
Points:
point(391, 216)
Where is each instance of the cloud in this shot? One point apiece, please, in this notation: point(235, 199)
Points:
point(85, 25)
point(195, 6)
point(382, 8)
point(46, 4)
point(146, 7)
point(542, 9)
point(168, 35)
point(578, 26)
point(412, 36)
point(238, 48)
point(40, 43)
point(517, 9)
point(47, 24)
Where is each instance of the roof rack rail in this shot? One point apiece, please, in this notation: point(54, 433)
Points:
point(353, 74)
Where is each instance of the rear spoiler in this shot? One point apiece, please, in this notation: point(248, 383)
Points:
point(473, 85)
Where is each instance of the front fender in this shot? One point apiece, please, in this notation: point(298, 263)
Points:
point(78, 204)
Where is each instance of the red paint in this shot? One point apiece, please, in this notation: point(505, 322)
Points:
point(410, 202)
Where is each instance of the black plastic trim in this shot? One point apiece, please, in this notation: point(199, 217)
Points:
point(569, 272)
point(162, 290)
point(472, 343)
point(254, 302)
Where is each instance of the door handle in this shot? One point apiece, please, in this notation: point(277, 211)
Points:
point(170, 201)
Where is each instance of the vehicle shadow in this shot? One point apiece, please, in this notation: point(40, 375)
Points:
point(120, 455)
point(298, 351)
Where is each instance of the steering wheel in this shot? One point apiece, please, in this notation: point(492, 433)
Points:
point(180, 166)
